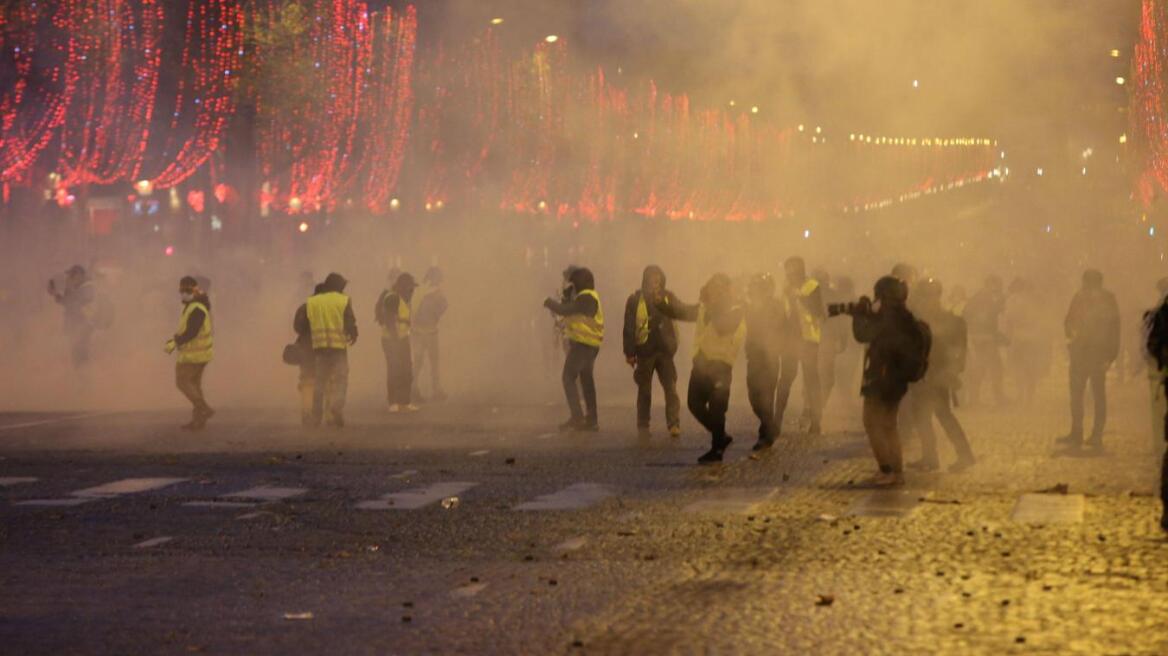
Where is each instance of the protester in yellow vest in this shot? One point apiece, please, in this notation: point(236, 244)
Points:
point(650, 342)
point(333, 327)
point(804, 301)
point(194, 342)
point(584, 331)
point(396, 328)
point(718, 336)
point(428, 307)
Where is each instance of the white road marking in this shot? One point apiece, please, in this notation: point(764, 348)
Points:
point(887, 503)
point(571, 544)
point(255, 515)
point(75, 501)
point(153, 542)
point(1049, 509)
point(578, 495)
point(406, 474)
point(58, 420)
point(417, 497)
point(546, 436)
point(5, 481)
point(267, 493)
point(731, 500)
point(221, 504)
point(467, 591)
point(475, 454)
point(127, 486)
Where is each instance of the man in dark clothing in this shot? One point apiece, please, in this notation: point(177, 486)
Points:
point(431, 306)
point(1092, 329)
point(395, 342)
point(1156, 327)
point(584, 331)
point(768, 328)
point(934, 393)
point(893, 338)
point(194, 341)
point(719, 332)
point(983, 315)
point(650, 342)
point(79, 299)
point(333, 327)
point(306, 384)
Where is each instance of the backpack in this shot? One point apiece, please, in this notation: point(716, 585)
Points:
point(916, 357)
point(1156, 334)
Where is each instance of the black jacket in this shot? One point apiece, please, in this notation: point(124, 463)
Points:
point(1092, 326)
point(889, 335)
point(662, 334)
point(769, 330)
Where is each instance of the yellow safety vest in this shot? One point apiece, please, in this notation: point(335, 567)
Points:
point(642, 321)
point(201, 349)
point(716, 347)
point(586, 330)
point(810, 326)
point(403, 318)
point(326, 316)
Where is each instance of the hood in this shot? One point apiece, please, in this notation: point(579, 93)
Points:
point(651, 270)
point(582, 279)
point(335, 282)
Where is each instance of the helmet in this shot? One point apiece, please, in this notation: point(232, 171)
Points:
point(891, 290)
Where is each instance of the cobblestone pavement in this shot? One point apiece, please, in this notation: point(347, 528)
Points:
point(625, 549)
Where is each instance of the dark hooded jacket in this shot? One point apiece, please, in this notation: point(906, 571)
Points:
point(662, 334)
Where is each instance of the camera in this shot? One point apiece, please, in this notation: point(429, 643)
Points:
point(855, 308)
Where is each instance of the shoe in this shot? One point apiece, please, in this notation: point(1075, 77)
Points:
point(589, 426)
point(395, 408)
point(815, 429)
point(714, 455)
point(962, 464)
point(675, 431)
point(571, 425)
point(891, 479)
point(924, 465)
point(411, 408)
point(1069, 440)
point(762, 444)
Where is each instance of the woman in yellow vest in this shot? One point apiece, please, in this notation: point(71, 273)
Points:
point(395, 342)
point(584, 331)
point(194, 342)
point(718, 337)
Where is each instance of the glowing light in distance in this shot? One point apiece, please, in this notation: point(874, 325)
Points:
point(807, 234)
point(169, 251)
point(303, 227)
point(551, 38)
point(818, 130)
point(916, 84)
point(394, 204)
point(1123, 138)
point(800, 127)
point(144, 187)
point(496, 21)
point(1152, 231)
point(1120, 80)
point(1039, 171)
point(295, 204)
point(754, 109)
point(1115, 53)
point(543, 206)
point(429, 207)
point(216, 223)
point(1084, 170)
point(439, 205)
point(733, 103)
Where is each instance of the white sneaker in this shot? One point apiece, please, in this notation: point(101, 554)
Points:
point(395, 407)
point(412, 408)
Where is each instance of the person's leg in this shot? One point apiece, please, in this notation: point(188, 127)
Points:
point(943, 408)
point(827, 370)
point(789, 368)
point(588, 384)
point(701, 387)
point(871, 429)
point(643, 377)
point(888, 420)
point(418, 346)
point(387, 349)
point(1078, 381)
point(202, 409)
point(720, 402)
point(920, 414)
point(1098, 379)
point(406, 381)
point(321, 375)
point(183, 381)
point(306, 386)
point(813, 393)
point(996, 373)
point(435, 355)
point(667, 375)
point(760, 390)
point(339, 388)
point(573, 364)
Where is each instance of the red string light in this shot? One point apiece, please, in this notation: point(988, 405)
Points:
point(1147, 102)
point(388, 105)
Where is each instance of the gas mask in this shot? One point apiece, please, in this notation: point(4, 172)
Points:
point(187, 296)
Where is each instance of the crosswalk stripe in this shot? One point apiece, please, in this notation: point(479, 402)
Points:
point(731, 500)
point(221, 504)
point(153, 542)
point(417, 497)
point(268, 493)
point(475, 454)
point(74, 501)
point(127, 486)
point(578, 495)
point(5, 481)
point(887, 503)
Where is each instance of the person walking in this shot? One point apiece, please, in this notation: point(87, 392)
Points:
point(79, 300)
point(430, 306)
point(768, 329)
point(720, 329)
point(395, 342)
point(804, 300)
point(983, 315)
point(306, 383)
point(896, 354)
point(584, 332)
point(934, 393)
point(194, 340)
point(1092, 328)
point(333, 327)
point(650, 342)
point(1156, 345)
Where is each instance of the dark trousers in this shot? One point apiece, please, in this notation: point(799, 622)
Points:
point(80, 337)
point(426, 349)
point(986, 362)
point(1086, 371)
point(188, 378)
point(399, 375)
point(709, 396)
point(578, 366)
point(936, 401)
point(662, 364)
point(1164, 472)
point(762, 380)
point(331, 380)
point(306, 385)
point(883, 435)
point(807, 359)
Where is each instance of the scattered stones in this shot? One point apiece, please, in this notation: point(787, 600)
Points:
point(509, 461)
point(825, 600)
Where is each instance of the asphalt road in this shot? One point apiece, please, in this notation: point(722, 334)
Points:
point(478, 529)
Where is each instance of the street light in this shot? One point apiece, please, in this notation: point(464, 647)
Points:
point(551, 38)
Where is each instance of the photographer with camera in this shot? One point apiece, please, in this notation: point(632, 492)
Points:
point(897, 354)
